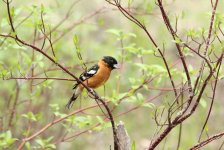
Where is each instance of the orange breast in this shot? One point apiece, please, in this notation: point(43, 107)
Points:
point(100, 77)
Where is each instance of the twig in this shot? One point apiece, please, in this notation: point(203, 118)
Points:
point(207, 141)
point(12, 114)
point(174, 35)
point(38, 78)
point(211, 105)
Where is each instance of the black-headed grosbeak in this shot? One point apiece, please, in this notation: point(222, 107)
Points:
point(94, 77)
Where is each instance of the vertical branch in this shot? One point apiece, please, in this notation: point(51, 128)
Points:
point(207, 43)
point(31, 82)
point(180, 126)
point(211, 27)
point(173, 33)
point(12, 114)
point(115, 136)
point(212, 102)
point(10, 17)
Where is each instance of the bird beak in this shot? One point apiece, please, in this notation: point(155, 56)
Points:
point(116, 66)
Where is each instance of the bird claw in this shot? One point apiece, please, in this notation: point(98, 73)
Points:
point(91, 93)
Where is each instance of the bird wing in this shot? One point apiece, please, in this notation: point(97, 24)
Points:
point(87, 74)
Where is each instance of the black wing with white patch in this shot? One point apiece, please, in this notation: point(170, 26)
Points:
point(87, 74)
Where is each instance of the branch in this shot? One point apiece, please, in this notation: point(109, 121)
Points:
point(12, 114)
point(207, 141)
point(174, 35)
point(207, 43)
point(212, 102)
point(38, 78)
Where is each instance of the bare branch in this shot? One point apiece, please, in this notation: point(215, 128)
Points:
point(207, 141)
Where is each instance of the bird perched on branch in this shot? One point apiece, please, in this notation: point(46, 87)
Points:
point(94, 77)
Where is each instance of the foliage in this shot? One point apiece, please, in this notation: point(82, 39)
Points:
point(171, 73)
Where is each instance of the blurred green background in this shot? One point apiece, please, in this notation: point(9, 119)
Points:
point(101, 30)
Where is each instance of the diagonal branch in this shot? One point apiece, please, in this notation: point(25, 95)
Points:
point(207, 141)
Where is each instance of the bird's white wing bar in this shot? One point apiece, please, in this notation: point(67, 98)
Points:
point(89, 73)
point(92, 72)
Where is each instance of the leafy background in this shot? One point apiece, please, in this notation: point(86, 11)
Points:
point(96, 29)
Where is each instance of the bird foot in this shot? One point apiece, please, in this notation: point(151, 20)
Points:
point(92, 93)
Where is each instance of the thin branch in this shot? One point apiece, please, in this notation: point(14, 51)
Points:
point(207, 141)
point(212, 102)
point(12, 114)
point(174, 35)
point(207, 44)
point(39, 78)
point(10, 17)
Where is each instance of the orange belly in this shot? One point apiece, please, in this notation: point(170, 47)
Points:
point(99, 78)
point(96, 82)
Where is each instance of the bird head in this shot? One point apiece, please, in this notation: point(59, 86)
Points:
point(112, 62)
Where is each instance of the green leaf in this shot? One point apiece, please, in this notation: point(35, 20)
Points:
point(187, 52)
point(40, 142)
point(12, 11)
point(28, 146)
point(147, 52)
point(13, 34)
point(133, 147)
point(121, 95)
point(140, 98)
point(203, 103)
point(4, 73)
point(45, 143)
point(75, 39)
point(132, 49)
point(114, 31)
point(54, 107)
point(42, 8)
point(149, 105)
point(177, 40)
point(100, 119)
point(132, 35)
point(142, 66)
point(191, 69)
point(6, 139)
point(80, 121)
point(206, 128)
point(129, 3)
point(59, 114)
point(30, 116)
point(132, 80)
point(51, 146)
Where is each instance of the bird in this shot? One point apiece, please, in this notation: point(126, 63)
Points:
point(94, 77)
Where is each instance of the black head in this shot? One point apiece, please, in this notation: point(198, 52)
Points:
point(112, 62)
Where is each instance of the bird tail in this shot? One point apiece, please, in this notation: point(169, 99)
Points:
point(75, 95)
